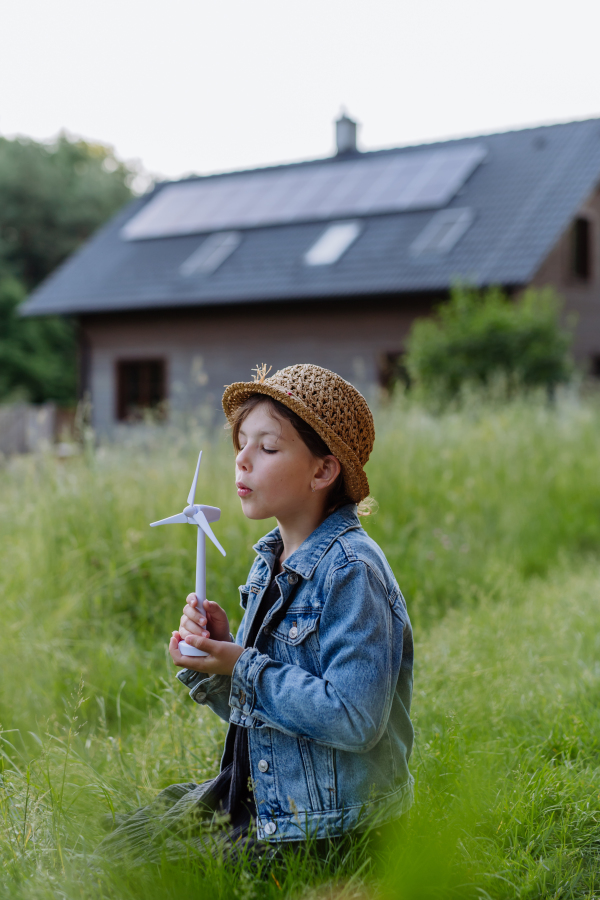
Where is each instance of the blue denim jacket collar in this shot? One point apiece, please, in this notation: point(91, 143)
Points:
point(307, 557)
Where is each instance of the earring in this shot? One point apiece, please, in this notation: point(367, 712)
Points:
point(312, 488)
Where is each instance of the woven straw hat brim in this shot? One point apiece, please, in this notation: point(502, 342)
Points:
point(355, 480)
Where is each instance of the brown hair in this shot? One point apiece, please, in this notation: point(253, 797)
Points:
point(337, 495)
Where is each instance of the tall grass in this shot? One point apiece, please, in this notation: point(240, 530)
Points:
point(490, 519)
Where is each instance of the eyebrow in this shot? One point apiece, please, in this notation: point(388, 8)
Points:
point(263, 433)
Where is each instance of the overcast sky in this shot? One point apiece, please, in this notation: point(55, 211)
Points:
point(196, 86)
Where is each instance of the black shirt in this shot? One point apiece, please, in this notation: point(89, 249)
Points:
point(233, 784)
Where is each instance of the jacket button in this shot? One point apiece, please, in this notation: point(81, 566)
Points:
point(267, 631)
point(263, 765)
point(292, 578)
point(293, 632)
point(270, 828)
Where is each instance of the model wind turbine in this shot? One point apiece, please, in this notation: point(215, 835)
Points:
point(200, 515)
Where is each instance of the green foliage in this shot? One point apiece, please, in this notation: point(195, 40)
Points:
point(490, 519)
point(478, 338)
point(37, 356)
point(52, 198)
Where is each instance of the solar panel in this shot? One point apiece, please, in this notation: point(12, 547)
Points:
point(395, 182)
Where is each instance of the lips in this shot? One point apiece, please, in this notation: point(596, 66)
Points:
point(242, 489)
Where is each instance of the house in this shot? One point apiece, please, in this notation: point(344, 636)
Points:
point(327, 261)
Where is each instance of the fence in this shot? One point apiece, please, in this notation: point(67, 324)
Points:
point(25, 428)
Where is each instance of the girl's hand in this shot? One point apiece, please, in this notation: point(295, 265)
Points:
point(221, 661)
point(207, 621)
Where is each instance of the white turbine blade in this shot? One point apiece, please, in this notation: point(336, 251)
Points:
point(212, 513)
point(171, 520)
point(192, 493)
point(200, 519)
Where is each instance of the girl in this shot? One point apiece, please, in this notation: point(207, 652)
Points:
point(316, 686)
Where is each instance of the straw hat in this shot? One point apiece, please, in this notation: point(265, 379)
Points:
point(333, 407)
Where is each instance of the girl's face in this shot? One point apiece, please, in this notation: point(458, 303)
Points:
point(274, 469)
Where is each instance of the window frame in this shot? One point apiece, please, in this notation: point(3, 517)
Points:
point(122, 405)
point(209, 256)
point(320, 255)
point(582, 274)
point(443, 231)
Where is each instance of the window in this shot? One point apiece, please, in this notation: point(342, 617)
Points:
point(212, 252)
point(332, 244)
point(581, 249)
point(443, 231)
point(140, 387)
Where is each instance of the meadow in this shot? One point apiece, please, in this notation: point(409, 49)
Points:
point(490, 517)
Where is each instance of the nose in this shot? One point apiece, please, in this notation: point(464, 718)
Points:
point(242, 460)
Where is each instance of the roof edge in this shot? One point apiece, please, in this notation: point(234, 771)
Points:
point(361, 154)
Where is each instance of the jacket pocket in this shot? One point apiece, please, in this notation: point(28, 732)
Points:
point(295, 640)
point(296, 627)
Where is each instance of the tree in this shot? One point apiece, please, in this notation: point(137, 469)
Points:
point(52, 198)
point(477, 336)
point(37, 356)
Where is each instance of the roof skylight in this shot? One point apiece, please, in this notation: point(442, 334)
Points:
point(212, 252)
point(332, 244)
point(443, 231)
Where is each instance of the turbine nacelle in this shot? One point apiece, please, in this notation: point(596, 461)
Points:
point(212, 513)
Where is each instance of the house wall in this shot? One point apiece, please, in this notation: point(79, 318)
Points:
point(581, 298)
point(205, 349)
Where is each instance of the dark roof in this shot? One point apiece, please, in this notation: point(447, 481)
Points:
point(522, 197)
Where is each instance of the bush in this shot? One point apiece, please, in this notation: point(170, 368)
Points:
point(480, 338)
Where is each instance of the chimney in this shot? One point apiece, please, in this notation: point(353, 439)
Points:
point(345, 135)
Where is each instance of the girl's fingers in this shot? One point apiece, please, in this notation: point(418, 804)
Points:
point(187, 662)
point(176, 656)
point(203, 643)
point(184, 633)
point(190, 626)
point(184, 662)
point(211, 607)
point(214, 611)
point(221, 660)
point(194, 614)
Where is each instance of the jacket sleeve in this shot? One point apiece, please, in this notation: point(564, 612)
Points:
point(212, 691)
point(349, 705)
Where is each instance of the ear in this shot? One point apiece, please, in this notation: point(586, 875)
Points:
point(327, 471)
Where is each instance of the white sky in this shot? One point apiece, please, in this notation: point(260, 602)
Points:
point(196, 86)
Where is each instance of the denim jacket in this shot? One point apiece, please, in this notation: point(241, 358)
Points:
point(325, 694)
